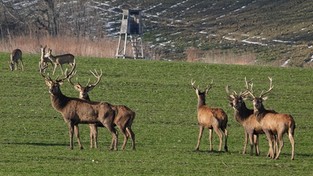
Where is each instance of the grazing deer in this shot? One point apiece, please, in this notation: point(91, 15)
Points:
point(211, 118)
point(44, 60)
point(273, 123)
point(59, 60)
point(124, 116)
point(76, 111)
point(246, 118)
point(15, 58)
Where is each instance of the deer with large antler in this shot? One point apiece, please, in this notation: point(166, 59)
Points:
point(124, 116)
point(246, 118)
point(76, 111)
point(273, 123)
point(211, 118)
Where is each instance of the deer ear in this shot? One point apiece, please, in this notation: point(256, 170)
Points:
point(77, 87)
point(89, 88)
point(264, 98)
point(48, 83)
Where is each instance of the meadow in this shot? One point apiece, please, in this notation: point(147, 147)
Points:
point(34, 138)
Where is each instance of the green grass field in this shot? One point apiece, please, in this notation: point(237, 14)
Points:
point(34, 138)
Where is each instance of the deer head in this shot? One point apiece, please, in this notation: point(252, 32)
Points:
point(236, 100)
point(54, 85)
point(84, 90)
point(258, 101)
point(49, 53)
point(201, 94)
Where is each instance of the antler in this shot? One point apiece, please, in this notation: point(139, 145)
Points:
point(270, 89)
point(70, 78)
point(193, 85)
point(97, 75)
point(248, 90)
point(42, 70)
point(197, 88)
point(67, 75)
point(209, 86)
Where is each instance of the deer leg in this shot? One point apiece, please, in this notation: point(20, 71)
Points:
point(270, 143)
point(281, 144)
point(71, 131)
point(211, 139)
point(114, 136)
point(61, 66)
point(55, 67)
point(93, 135)
point(123, 130)
point(220, 136)
point(199, 137)
point(256, 144)
point(251, 139)
point(226, 136)
point(292, 142)
point(245, 143)
point(76, 130)
point(22, 64)
point(132, 136)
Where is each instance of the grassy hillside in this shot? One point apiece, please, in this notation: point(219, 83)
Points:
point(276, 31)
point(34, 138)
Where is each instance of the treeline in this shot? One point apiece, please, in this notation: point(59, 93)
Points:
point(54, 17)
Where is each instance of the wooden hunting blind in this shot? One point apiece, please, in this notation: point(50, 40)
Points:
point(131, 25)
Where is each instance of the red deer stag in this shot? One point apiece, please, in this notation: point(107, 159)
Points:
point(76, 111)
point(211, 118)
point(59, 60)
point(245, 117)
point(273, 123)
point(124, 116)
point(15, 58)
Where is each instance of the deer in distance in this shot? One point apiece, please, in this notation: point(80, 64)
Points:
point(44, 60)
point(124, 116)
point(273, 123)
point(211, 118)
point(15, 58)
point(77, 111)
point(59, 60)
point(245, 117)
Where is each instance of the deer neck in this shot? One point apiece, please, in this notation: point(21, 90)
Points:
point(59, 101)
point(260, 112)
point(243, 113)
point(201, 102)
point(84, 97)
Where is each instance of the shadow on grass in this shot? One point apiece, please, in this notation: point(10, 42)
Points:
point(208, 151)
point(35, 143)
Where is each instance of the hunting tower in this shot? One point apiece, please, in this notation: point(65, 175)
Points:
point(131, 26)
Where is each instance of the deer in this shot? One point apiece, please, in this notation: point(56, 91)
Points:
point(44, 60)
point(273, 123)
point(124, 116)
point(15, 58)
point(77, 111)
point(245, 117)
point(59, 60)
point(211, 118)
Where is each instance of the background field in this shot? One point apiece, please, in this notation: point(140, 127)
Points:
point(34, 138)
